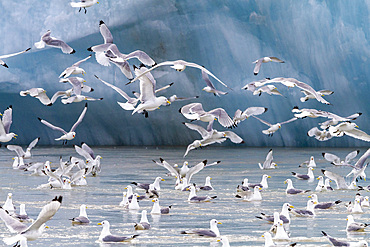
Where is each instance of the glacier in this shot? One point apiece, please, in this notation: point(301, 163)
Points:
point(323, 43)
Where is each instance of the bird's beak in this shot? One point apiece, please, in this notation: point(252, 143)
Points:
point(210, 178)
point(314, 202)
point(219, 223)
point(125, 188)
point(168, 102)
point(269, 176)
point(153, 200)
point(46, 227)
point(291, 206)
point(163, 179)
point(317, 178)
point(285, 182)
point(309, 196)
point(99, 224)
point(263, 236)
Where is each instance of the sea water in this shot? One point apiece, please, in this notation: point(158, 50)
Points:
point(123, 165)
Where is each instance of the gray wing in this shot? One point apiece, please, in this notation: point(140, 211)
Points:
point(14, 54)
point(57, 95)
point(268, 160)
point(44, 99)
point(13, 225)
point(7, 118)
point(81, 61)
point(195, 169)
point(52, 126)
point(358, 134)
point(324, 205)
point(233, 137)
point(275, 59)
point(163, 88)
point(360, 163)
point(206, 79)
point(79, 120)
point(112, 238)
point(263, 121)
point(62, 45)
point(203, 132)
point(335, 160)
point(18, 149)
point(117, 89)
point(257, 66)
point(356, 227)
point(339, 180)
point(166, 165)
point(141, 56)
point(124, 67)
point(351, 156)
point(288, 121)
point(192, 108)
point(81, 219)
point(254, 111)
point(294, 191)
point(205, 233)
point(107, 35)
point(46, 213)
point(309, 89)
point(223, 117)
point(85, 147)
point(77, 85)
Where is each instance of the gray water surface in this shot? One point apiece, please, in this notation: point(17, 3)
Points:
point(123, 165)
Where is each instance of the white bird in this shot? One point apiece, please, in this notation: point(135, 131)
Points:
point(149, 101)
point(179, 65)
point(212, 232)
point(323, 205)
point(8, 205)
point(308, 212)
point(290, 188)
point(360, 167)
point(92, 160)
point(224, 240)
point(48, 40)
point(357, 209)
point(33, 231)
point(19, 149)
point(309, 163)
point(134, 205)
point(210, 88)
point(194, 198)
point(210, 136)
point(11, 55)
point(156, 209)
point(66, 135)
point(269, 89)
point(82, 218)
point(145, 186)
point(320, 135)
point(284, 215)
point(308, 95)
point(281, 233)
point(320, 185)
point(308, 176)
point(273, 127)
point(292, 82)
point(131, 102)
point(83, 4)
point(336, 242)
point(194, 111)
point(5, 123)
point(264, 60)
point(268, 164)
point(255, 196)
point(353, 226)
point(327, 185)
point(349, 129)
point(107, 237)
point(263, 184)
point(252, 86)
point(116, 56)
point(74, 69)
point(207, 184)
point(22, 216)
point(270, 243)
point(339, 180)
point(124, 203)
point(335, 160)
point(240, 116)
point(38, 93)
point(144, 223)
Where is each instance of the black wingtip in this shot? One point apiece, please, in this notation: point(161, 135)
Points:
point(323, 154)
point(134, 66)
point(58, 198)
point(96, 77)
point(255, 73)
point(295, 107)
point(101, 22)
point(141, 65)
point(28, 49)
point(205, 162)
point(171, 83)
point(5, 65)
point(161, 159)
point(213, 197)
point(324, 233)
point(323, 171)
point(39, 119)
point(50, 104)
point(72, 52)
point(10, 107)
point(293, 173)
point(89, 49)
point(85, 105)
point(183, 232)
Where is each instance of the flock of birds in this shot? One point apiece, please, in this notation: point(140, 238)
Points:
point(74, 171)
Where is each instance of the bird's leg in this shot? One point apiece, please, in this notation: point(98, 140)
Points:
point(146, 114)
point(85, 10)
point(79, 9)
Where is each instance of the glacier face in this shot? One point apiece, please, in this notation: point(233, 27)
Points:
point(323, 43)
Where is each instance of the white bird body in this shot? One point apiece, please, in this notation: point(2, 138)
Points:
point(48, 40)
point(11, 55)
point(5, 123)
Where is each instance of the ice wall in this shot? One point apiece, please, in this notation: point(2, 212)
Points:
point(323, 43)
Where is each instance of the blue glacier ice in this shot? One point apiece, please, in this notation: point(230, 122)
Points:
point(323, 43)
